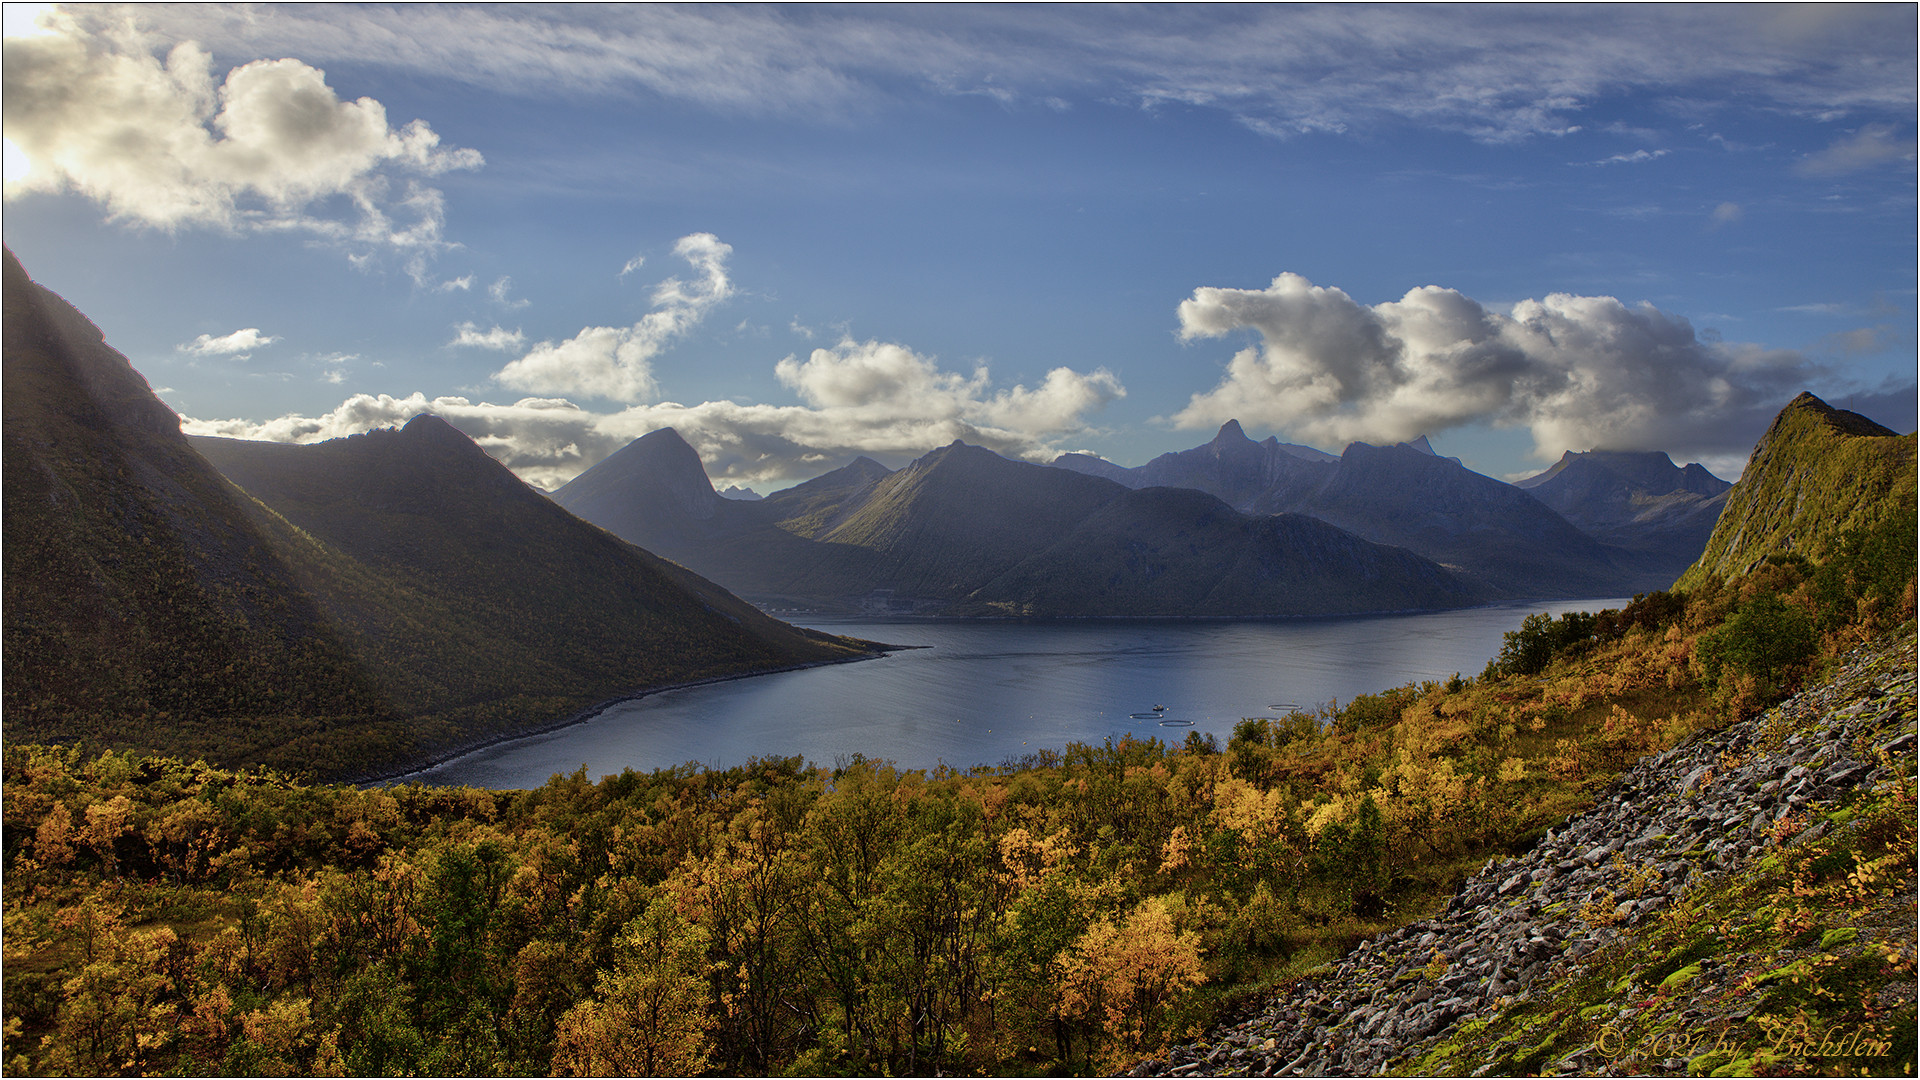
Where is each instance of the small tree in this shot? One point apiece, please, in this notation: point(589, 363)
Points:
point(1765, 639)
point(649, 1015)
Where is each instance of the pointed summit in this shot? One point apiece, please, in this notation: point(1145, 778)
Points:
point(1852, 423)
point(1230, 433)
point(428, 429)
point(657, 474)
point(1816, 475)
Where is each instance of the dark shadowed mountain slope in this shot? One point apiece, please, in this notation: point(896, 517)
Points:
point(1493, 531)
point(1408, 496)
point(652, 491)
point(961, 515)
point(1639, 501)
point(144, 605)
point(487, 592)
point(1176, 551)
point(964, 531)
point(818, 506)
point(1816, 475)
point(404, 592)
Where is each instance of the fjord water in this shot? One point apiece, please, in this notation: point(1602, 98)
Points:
point(984, 691)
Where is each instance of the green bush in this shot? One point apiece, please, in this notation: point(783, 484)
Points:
point(1541, 637)
point(1765, 638)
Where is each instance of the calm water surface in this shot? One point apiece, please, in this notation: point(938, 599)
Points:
point(983, 692)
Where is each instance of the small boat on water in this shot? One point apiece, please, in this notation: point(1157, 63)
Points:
point(1159, 708)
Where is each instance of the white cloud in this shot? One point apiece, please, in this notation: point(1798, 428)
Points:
point(462, 283)
point(1870, 146)
point(870, 398)
point(498, 338)
point(1579, 371)
point(238, 342)
point(498, 293)
point(616, 362)
point(878, 383)
point(1636, 158)
point(270, 147)
point(1727, 213)
point(1494, 73)
point(633, 264)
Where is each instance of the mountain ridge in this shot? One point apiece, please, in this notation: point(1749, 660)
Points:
point(1407, 495)
point(1817, 474)
point(964, 531)
point(392, 593)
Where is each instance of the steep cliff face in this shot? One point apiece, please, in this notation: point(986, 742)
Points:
point(1817, 474)
point(1655, 934)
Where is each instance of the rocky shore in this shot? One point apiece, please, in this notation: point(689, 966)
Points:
point(1675, 821)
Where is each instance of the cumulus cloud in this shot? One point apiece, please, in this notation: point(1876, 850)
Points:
point(616, 362)
point(859, 398)
point(269, 147)
point(240, 342)
point(1580, 372)
point(499, 338)
point(1870, 146)
point(633, 264)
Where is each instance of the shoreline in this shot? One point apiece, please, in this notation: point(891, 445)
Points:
point(581, 716)
point(903, 617)
point(446, 756)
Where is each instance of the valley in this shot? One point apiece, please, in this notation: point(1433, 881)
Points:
point(202, 633)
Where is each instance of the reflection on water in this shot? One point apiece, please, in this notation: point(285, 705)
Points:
point(985, 691)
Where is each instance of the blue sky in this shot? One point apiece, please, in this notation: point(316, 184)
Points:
point(799, 234)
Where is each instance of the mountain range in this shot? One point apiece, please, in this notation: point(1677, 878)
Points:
point(1233, 527)
point(964, 531)
point(334, 607)
point(1603, 523)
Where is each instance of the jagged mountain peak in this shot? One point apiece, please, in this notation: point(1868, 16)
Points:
point(1231, 433)
point(1627, 472)
point(1816, 475)
point(1851, 423)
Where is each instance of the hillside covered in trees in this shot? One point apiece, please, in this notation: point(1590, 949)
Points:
point(1069, 912)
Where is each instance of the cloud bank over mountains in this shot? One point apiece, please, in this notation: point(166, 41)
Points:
point(861, 398)
point(1580, 372)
